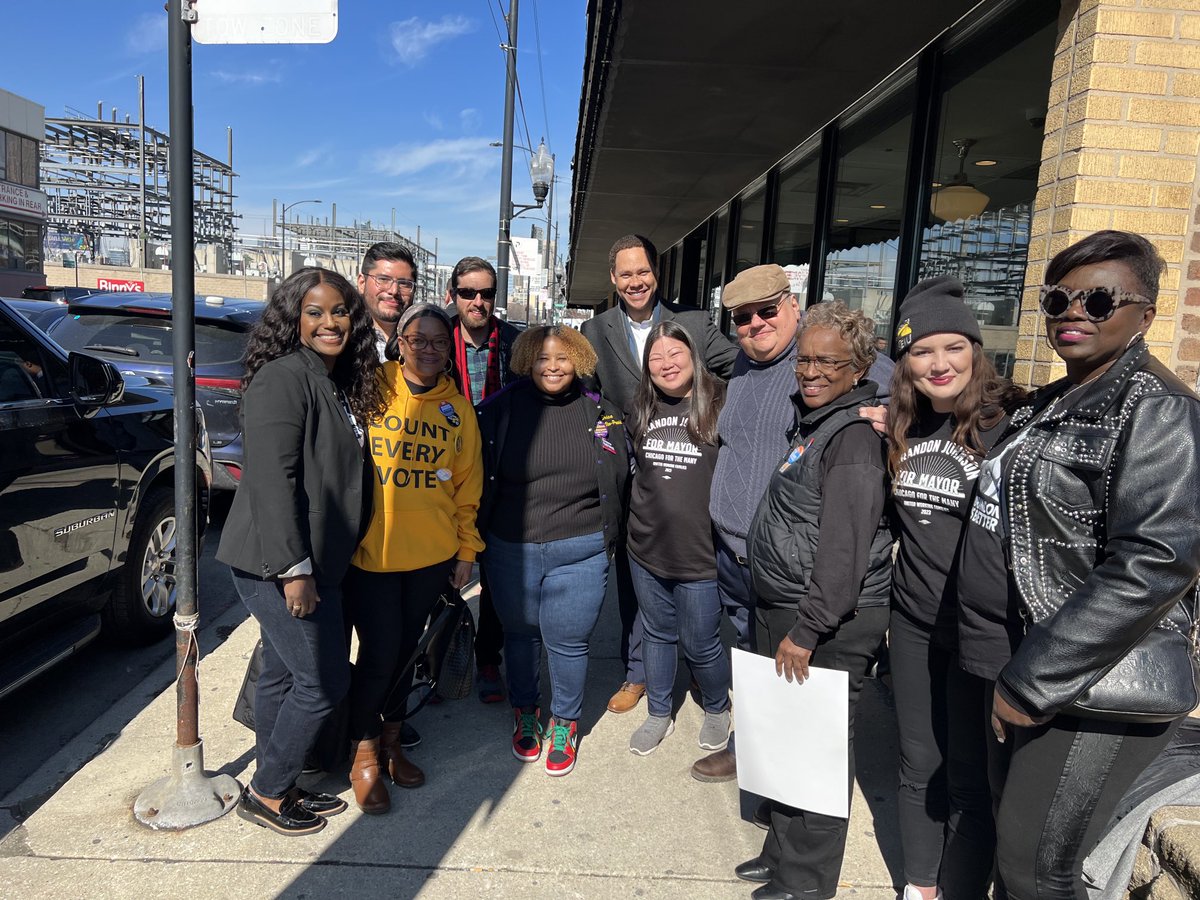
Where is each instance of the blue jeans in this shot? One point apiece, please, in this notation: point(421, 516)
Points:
point(737, 596)
point(548, 593)
point(305, 674)
point(687, 613)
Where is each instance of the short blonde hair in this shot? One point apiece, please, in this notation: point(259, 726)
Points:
point(529, 345)
point(856, 329)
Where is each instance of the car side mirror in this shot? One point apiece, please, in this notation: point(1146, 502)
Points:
point(94, 382)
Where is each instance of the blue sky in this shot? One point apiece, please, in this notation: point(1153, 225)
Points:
point(397, 112)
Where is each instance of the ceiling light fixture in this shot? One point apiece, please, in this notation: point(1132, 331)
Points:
point(985, 162)
point(878, 206)
point(959, 199)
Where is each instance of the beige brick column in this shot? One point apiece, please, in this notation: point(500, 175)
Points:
point(1122, 135)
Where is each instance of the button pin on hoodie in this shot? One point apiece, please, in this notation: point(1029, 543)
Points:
point(444, 474)
point(446, 408)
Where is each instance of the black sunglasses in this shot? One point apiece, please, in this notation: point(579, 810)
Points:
point(766, 313)
point(1098, 303)
point(467, 293)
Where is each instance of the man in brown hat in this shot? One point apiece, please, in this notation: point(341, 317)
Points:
point(618, 336)
point(753, 428)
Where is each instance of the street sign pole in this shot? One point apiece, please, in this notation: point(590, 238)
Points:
point(188, 796)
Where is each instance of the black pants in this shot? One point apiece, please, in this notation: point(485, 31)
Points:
point(945, 804)
point(489, 633)
point(1064, 780)
point(389, 611)
point(805, 849)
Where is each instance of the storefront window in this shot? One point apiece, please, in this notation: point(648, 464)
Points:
point(20, 245)
point(865, 226)
point(794, 225)
point(976, 226)
point(716, 279)
point(750, 229)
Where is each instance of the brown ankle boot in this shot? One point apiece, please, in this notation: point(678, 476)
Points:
point(404, 773)
point(370, 790)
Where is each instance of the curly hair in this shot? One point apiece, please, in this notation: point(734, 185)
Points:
point(527, 347)
point(855, 328)
point(985, 400)
point(704, 405)
point(278, 334)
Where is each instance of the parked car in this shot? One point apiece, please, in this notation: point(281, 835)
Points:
point(56, 293)
point(134, 332)
point(87, 502)
point(40, 313)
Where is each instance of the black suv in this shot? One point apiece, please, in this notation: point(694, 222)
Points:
point(87, 506)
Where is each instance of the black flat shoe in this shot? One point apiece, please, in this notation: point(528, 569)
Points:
point(321, 804)
point(771, 892)
point(292, 818)
point(754, 870)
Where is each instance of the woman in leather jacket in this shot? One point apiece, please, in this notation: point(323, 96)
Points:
point(1097, 481)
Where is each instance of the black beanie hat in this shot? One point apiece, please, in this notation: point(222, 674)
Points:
point(935, 306)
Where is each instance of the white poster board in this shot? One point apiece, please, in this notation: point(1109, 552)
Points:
point(265, 21)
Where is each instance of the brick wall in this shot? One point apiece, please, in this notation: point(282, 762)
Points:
point(160, 280)
point(1122, 135)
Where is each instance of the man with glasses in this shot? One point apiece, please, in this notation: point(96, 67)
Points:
point(752, 430)
point(387, 282)
point(618, 336)
point(482, 348)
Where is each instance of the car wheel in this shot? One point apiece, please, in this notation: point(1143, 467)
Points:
point(141, 608)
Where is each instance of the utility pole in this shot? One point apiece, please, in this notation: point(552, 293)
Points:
point(549, 231)
point(503, 240)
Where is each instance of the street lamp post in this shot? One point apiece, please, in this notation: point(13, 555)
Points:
point(541, 174)
point(283, 236)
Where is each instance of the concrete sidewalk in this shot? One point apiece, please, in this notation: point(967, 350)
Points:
point(619, 826)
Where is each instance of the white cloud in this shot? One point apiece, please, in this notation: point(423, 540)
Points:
point(434, 121)
point(458, 158)
point(413, 39)
point(469, 119)
point(251, 78)
point(312, 156)
point(147, 34)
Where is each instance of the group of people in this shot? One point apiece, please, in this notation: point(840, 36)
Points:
point(1031, 560)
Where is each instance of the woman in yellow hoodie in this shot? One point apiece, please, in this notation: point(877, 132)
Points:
point(428, 479)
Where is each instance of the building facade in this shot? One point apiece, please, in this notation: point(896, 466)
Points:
point(971, 139)
point(22, 202)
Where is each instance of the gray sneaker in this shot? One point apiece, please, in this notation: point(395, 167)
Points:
point(650, 734)
point(714, 733)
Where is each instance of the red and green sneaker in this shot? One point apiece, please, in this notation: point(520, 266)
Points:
point(564, 743)
point(527, 733)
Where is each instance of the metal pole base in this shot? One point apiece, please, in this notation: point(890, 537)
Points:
point(187, 796)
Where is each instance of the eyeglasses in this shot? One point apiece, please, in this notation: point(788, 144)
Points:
point(826, 365)
point(387, 282)
point(766, 313)
point(1098, 303)
point(465, 293)
point(441, 345)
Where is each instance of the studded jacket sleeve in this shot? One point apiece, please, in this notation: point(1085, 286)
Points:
point(1147, 558)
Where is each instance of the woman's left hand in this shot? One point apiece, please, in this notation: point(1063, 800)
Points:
point(1004, 713)
point(791, 661)
point(461, 574)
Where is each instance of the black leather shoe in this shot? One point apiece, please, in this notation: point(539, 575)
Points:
point(771, 892)
point(754, 870)
point(321, 804)
point(292, 818)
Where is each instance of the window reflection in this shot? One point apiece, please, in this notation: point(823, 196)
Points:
point(794, 227)
point(750, 231)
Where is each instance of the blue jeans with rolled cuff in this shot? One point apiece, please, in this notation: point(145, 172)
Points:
point(548, 595)
point(686, 614)
point(305, 674)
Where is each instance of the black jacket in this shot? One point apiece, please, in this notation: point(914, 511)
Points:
point(1102, 509)
point(611, 472)
point(618, 373)
point(304, 488)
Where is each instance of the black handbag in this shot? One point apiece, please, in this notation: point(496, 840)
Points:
point(1157, 681)
point(243, 706)
point(442, 662)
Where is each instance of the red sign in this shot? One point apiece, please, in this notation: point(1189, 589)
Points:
point(120, 284)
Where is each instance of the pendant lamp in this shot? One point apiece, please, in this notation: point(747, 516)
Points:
point(959, 199)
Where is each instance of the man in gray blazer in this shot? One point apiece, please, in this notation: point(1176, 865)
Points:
point(619, 338)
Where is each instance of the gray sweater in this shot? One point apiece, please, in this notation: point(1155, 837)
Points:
point(752, 431)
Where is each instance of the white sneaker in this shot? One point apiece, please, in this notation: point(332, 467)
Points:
point(911, 893)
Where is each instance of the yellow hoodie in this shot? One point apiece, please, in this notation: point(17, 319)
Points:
point(428, 478)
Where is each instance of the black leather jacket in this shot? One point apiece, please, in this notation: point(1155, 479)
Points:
point(1102, 511)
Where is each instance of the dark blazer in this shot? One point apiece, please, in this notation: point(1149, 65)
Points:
point(618, 373)
point(303, 489)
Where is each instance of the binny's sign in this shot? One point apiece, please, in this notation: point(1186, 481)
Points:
point(121, 285)
point(264, 21)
